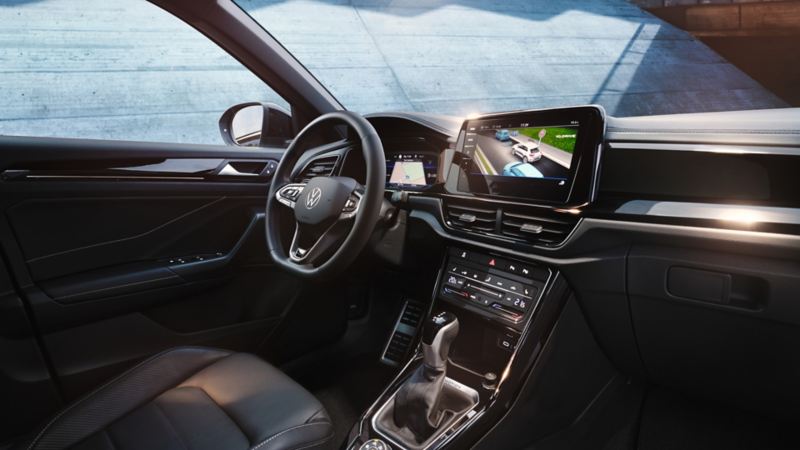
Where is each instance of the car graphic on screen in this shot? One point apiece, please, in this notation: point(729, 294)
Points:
point(502, 135)
point(528, 152)
point(521, 169)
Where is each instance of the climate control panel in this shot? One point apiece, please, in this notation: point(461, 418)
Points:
point(504, 288)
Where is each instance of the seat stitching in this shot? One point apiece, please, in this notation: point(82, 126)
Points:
point(108, 436)
point(265, 442)
point(107, 384)
point(319, 442)
point(169, 422)
point(315, 415)
point(224, 412)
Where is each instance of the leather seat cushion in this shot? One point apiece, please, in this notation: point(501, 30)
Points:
point(193, 398)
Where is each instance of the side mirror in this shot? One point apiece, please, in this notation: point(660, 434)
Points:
point(256, 124)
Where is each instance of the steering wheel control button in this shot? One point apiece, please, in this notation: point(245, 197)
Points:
point(289, 194)
point(374, 444)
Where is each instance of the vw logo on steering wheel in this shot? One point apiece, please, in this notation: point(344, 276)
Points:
point(313, 198)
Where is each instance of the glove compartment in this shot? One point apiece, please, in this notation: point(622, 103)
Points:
point(722, 325)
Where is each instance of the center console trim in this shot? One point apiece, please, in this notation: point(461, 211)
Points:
point(526, 347)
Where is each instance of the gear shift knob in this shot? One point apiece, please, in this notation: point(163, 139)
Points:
point(437, 336)
point(416, 403)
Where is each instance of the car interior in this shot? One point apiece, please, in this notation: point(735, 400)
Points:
point(402, 280)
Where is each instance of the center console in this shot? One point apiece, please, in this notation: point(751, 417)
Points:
point(514, 179)
point(475, 348)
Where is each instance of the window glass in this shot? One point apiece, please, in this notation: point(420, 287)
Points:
point(121, 69)
point(464, 57)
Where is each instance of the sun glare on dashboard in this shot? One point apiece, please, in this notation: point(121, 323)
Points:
point(742, 216)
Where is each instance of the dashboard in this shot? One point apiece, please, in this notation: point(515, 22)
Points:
point(533, 180)
point(664, 228)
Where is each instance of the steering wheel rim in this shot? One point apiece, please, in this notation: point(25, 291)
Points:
point(364, 217)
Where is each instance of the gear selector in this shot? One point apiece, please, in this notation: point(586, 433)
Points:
point(427, 403)
point(416, 405)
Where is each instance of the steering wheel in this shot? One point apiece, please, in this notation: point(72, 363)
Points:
point(327, 210)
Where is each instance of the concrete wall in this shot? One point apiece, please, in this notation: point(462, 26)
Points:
point(123, 69)
point(668, 3)
point(732, 18)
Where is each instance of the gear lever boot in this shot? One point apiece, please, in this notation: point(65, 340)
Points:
point(417, 401)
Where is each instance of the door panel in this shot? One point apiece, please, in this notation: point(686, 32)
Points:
point(116, 266)
point(24, 378)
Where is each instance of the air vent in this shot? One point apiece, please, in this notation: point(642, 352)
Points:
point(471, 218)
point(318, 167)
point(400, 344)
point(542, 230)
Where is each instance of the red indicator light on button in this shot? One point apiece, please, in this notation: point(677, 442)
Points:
point(492, 262)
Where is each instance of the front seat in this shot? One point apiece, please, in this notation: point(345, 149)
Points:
point(192, 398)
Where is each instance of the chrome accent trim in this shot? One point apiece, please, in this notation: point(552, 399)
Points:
point(230, 171)
point(297, 254)
point(775, 240)
point(712, 211)
point(531, 228)
point(707, 148)
point(313, 198)
point(779, 240)
point(110, 177)
point(502, 201)
point(467, 218)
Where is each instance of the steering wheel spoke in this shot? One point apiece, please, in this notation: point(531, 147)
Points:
point(310, 244)
point(289, 193)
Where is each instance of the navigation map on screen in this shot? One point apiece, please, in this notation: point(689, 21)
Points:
point(408, 173)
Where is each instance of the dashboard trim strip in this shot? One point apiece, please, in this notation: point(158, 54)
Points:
point(775, 240)
point(712, 211)
point(707, 148)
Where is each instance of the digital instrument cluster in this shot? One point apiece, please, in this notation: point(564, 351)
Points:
point(411, 170)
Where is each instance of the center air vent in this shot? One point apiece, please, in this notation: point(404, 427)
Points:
point(471, 218)
point(535, 226)
point(547, 231)
point(318, 167)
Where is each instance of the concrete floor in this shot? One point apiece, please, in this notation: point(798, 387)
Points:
point(124, 69)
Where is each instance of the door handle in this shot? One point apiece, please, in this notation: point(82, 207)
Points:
point(230, 171)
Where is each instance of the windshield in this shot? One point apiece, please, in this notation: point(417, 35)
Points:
point(464, 57)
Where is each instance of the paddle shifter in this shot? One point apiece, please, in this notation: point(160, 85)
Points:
point(416, 404)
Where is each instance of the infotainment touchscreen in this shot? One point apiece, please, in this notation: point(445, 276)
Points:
point(529, 154)
point(524, 150)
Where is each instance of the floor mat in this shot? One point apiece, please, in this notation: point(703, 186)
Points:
point(671, 421)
